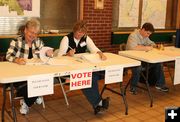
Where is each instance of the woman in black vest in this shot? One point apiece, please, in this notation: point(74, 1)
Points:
point(78, 42)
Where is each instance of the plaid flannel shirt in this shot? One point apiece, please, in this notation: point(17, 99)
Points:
point(20, 49)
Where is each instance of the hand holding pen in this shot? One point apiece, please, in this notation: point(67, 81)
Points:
point(71, 52)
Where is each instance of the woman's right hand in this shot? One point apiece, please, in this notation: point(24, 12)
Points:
point(20, 61)
point(71, 52)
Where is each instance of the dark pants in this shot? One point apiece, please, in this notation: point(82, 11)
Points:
point(22, 92)
point(152, 78)
point(156, 74)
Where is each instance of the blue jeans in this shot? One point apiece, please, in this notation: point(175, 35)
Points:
point(92, 94)
point(155, 72)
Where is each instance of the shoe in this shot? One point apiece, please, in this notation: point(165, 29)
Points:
point(98, 109)
point(39, 100)
point(105, 103)
point(162, 88)
point(133, 91)
point(24, 109)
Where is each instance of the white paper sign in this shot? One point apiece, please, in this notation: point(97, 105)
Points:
point(40, 85)
point(177, 71)
point(113, 74)
point(80, 79)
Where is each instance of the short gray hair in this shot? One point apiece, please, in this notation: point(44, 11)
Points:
point(33, 23)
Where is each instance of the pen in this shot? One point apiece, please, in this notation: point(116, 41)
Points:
point(70, 47)
point(78, 60)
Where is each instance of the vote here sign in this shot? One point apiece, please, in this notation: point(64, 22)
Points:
point(80, 79)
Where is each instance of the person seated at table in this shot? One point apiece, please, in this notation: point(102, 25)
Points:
point(22, 48)
point(78, 42)
point(139, 40)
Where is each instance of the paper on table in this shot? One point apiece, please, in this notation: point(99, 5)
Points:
point(54, 61)
point(51, 61)
point(79, 55)
point(93, 58)
point(34, 61)
point(43, 58)
point(42, 54)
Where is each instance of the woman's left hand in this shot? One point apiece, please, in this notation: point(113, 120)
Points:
point(49, 53)
point(102, 56)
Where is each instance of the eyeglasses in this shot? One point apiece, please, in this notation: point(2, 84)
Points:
point(33, 31)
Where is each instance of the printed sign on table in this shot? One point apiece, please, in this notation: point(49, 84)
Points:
point(40, 85)
point(80, 79)
point(113, 74)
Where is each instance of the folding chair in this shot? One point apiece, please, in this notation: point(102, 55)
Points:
point(18, 98)
point(62, 81)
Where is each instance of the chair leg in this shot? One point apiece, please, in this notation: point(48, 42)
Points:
point(4, 103)
point(12, 103)
point(43, 103)
point(10, 96)
point(64, 93)
point(40, 100)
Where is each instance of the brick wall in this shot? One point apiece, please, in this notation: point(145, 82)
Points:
point(100, 24)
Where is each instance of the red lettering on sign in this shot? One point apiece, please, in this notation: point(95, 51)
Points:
point(73, 76)
point(88, 82)
point(80, 83)
point(84, 82)
point(73, 84)
point(79, 75)
point(89, 74)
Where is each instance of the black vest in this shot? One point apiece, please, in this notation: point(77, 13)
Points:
point(72, 44)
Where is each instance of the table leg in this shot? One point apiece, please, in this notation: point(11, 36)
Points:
point(147, 85)
point(4, 102)
point(124, 98)
point(122, 93)
point(102, 91)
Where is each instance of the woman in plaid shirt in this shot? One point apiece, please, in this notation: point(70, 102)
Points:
point(22, 48)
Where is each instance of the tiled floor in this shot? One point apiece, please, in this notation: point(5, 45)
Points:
point(79, 109)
